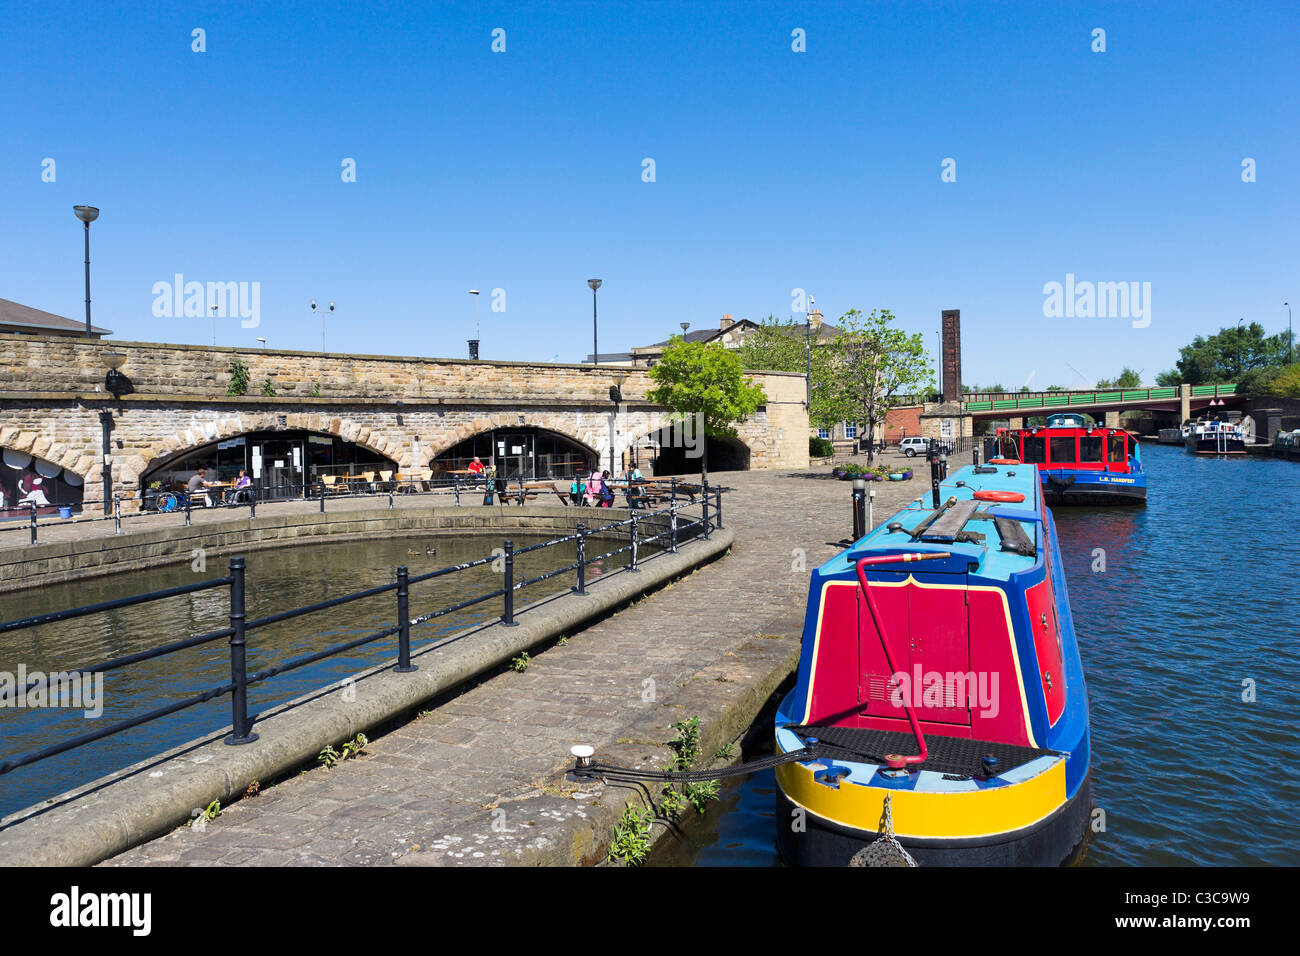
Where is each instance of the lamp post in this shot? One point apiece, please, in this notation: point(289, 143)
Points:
point(1239, 321)
point(321, 312)
point(87, 214)
point(1288, 332)
point(595, 350)
point(473, 343)
point(214, 324)
point(615, 396)
point(814, 324)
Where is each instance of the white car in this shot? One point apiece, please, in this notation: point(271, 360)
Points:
point(911, 447)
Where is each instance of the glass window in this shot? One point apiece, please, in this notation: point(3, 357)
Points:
point(823, 433)
point(1090, 447)
point(1115, 449)
point(1062, 450)
point(1035, 450)
point(850, 430)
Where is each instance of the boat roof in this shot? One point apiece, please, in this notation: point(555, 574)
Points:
point(1012, 531)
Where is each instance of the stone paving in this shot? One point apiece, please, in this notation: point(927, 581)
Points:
point(479, 778)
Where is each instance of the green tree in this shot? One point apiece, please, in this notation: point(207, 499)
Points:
point(1126, 379)
point(1230, 355)
point(704, 383)
point(870, 366)
point(783, 346)
point(1287, 382)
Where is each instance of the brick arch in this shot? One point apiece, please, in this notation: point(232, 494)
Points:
point(56, 453)
point(559, 424)
point(205, 433)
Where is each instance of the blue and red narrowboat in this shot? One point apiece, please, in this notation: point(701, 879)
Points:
point(1078, 463)
point(940, 678)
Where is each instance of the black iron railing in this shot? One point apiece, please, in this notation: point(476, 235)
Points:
point(678, 521)
point(452, 491)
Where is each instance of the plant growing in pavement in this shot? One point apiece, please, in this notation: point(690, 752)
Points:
point(631, 836)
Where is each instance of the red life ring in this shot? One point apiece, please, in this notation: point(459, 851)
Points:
point(998, 496)
point(1003, 461)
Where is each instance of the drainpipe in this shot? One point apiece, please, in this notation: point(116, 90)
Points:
point(106, 421)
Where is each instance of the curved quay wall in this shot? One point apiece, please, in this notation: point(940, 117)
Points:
point(107, 816)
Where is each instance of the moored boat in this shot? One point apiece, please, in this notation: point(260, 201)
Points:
point(1078, 463)
point(1213, 436)
point(941, 679)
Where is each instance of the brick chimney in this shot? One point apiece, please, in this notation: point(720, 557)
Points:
point(727, 322)
point(951, 359)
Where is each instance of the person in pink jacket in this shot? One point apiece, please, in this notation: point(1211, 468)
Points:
point(593, 489)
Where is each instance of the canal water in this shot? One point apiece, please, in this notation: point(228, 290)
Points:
point(277, 580)
point(1196, 604)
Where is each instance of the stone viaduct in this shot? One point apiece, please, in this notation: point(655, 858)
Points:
point(173, 399)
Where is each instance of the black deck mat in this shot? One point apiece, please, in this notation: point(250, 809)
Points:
point(949, 755)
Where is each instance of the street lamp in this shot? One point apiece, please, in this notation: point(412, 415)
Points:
point(214, 324)
point(1288, 332)
point(595, 351)
point(1239, 321)
point(615, 396)
point(473, 343)
point(814, 324)
point(262, 340)
point(87, 214)
point(321, 312)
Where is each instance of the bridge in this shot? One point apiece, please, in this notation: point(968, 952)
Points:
point(1183, 399)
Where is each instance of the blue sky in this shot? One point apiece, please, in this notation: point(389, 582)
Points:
point(775, 170)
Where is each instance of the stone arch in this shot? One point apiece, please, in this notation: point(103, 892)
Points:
point(42, 446)
point(559, 424)
point(725, 454)
point(205, 433)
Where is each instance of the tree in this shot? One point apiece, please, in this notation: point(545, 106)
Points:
point(705, 383)
point(777, 346)
point(1126, 379)
point(870, 366)
point(1287, 382)
point(1230, 355)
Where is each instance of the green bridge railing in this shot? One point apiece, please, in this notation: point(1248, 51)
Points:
point(1014, 401)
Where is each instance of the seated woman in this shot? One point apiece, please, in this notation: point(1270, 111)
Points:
point(242, 485)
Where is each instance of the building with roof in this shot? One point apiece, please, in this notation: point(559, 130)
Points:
point(24, 320)
point(730, 333)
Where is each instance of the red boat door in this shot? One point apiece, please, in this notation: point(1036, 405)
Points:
point(928, 630)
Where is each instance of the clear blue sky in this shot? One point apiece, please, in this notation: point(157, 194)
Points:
point(775, 170)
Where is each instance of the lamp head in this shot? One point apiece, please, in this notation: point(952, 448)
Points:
point(594, 283)
point(331, 306)
point(313, 305)
point(86, 214)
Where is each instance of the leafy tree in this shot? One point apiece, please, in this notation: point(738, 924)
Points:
point(782, 346)
point(1287, 382)
point(1230, 355)
point(704, 381)
point(1126, 379)
point(870, 367)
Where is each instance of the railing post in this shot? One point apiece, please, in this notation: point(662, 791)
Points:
point(117, 514)
point(455, 487)
point(322, 497)
point(33, 507)
point(187, 510)
point(672, 489)
point(934, 476)
point(238, 669)
point(717, 507)
point(582, 559)
point(252, 502)
point(404, 665)
point(508, 612)
point(704, 500)
point(390, 497)
point(631, 556)
point(672, 527)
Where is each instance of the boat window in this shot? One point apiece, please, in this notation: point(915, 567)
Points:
point(1090, 447)
point(1035, 450)
point(1063, 450)
point(1115, 449)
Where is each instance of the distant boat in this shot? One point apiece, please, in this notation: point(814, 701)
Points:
point(1169, 436)
point(1212, 436)
point(1078, 463)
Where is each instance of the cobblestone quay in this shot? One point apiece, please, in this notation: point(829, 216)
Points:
point(480, 779)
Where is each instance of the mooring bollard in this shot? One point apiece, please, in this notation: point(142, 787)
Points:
point(117, 514)
point(975, 455)
point(508, 615)
point(582, 559)
point(404, 665)
point(238, 668)
point(672, 527)
point(33, 506)
point(631, 557)
point(859, 508)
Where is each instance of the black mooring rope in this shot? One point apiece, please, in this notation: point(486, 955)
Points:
point(696, 776)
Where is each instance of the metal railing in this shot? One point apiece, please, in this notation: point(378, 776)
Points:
point(453, 491)
point(678, 524)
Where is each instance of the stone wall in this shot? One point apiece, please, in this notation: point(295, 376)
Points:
point(407, 409)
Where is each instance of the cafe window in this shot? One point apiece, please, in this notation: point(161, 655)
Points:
point(1090, 448)
point(1115, 451)
point(1035, 450)
point(1062, 450)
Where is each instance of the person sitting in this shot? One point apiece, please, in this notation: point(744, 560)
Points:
point(635, 488)
point(242, 485)
point(576, 490)
point(198, 482)
point(476, 469)
point(606, 492)
point(593, 490)
point(490, 483)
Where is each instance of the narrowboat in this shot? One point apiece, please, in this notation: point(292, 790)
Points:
point(1213, 436)
point(1078, 463)
point(940, 678)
